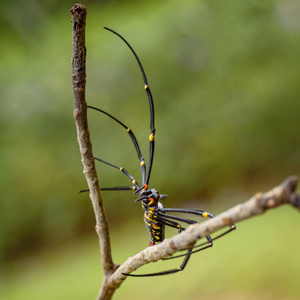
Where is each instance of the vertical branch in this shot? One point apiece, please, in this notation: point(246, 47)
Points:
point(83, 136)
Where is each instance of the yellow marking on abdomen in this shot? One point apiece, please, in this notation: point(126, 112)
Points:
point(149, 218)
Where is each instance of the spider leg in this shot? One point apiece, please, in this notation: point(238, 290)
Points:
point(151, 106)
point(119, 188)
point(195, 212)
point(136, 186)
point(180, 219)
point(133, 138)
point(172, 271)
point(198, 212)
point(116, 188)
point(202, 213)
point(178, 226)
point(209, 244)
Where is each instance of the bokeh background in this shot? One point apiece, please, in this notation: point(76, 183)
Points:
point(225, 80)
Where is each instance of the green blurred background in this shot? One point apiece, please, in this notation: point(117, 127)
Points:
point(225, 80)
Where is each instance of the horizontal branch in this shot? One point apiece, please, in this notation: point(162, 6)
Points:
point(285, 193)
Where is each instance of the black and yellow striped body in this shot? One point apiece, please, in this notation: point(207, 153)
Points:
point(155, 228)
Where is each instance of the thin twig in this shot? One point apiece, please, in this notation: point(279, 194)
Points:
point(83, 136)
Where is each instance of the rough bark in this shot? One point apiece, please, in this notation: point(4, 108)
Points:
point(83, 136)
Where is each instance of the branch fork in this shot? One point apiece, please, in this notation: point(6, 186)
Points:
point(284, 193)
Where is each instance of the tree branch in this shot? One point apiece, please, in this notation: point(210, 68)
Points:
point(83, 136)
point(285, 193)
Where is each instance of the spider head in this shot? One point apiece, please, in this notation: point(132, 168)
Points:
point(149, 197)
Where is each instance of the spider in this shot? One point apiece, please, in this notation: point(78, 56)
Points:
point(156, 216)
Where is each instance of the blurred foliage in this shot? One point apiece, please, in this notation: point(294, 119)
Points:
point(225, 80)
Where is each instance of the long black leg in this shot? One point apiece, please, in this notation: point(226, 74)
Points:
point(151, 156)
point(184, 220)
point(198, 212)
point(187, 255)
point(163, 218)
point(172, 271)
point(170, 223)
point(195, 212)
point(209, 244)
point(116, 188)
point(204, 246)
point(162, 215)
point(232, 227)
point(147, 89)
point(188, 221)
point(151, 106)
point(122, 170)
point(133, 138)
point(119, 188)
